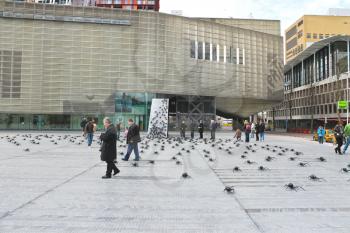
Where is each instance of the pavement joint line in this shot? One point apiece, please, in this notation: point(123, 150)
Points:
point(309, 209)
point(11, 212)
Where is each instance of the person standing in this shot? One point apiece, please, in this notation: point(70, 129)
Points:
point(253, 130)
point(262, 131)
point(132, 139)
point(193, 126)
point(320, 134)
point(109, 148)
point(213, 126)
point(257, 128)
point(347, 137)
point(183, 127)
point(89, 132)
point(117, 129)
point(247, 130)
point(83, 124)
point(339, 131)
point(201, 129)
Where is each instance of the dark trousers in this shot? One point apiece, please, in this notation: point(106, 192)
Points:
point(200, 134)
point(257, 136)
point(247, 136)
point(212, 134)
point(183, 133)
point(320, 139)
point(192, 134)
point(132, 147)
point(339, 143)
point(110, 167)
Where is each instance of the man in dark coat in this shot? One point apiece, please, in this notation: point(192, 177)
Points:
point(109, 148)
point(132, 139)
point(339, 136)
point(200, 129)
point(257, 131)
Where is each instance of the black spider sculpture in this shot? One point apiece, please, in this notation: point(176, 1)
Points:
point(292, 158)
point(135, 164)
point(243, 156)
point(322, 159)
point(211, 160)
point(229, 189)
point(236, 169)
point(262, 168)
point(315, 178)
point(173, 158)
point(293, 187)
point(250, 162)
point(298, 153)
point(301, 164)
point(185, 175)
point(178, 162)
point(269, 158)
point(345, 170)
point(151, 161)
point(26, 150)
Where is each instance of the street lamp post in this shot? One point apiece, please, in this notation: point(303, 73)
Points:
point(287, 84)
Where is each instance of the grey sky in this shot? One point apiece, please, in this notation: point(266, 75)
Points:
point(288, 11)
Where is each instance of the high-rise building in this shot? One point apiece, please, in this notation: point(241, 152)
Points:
point(312, 28)
point(315, 81)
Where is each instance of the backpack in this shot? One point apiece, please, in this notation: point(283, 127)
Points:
point(248, 127)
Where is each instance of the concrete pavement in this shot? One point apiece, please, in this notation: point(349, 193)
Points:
point(57, 188)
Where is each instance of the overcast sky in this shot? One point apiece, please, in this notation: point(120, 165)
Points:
point(288, 11)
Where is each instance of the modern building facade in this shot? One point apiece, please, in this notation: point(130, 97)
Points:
point(315, 81)
point(59, 63)
point(312, 28)
point(121, 4)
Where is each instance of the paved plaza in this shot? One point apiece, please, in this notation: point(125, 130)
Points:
point(51, 182)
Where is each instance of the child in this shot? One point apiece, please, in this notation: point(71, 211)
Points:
point(238, 134)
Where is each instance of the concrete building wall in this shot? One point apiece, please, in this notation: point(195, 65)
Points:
point(67, 65)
